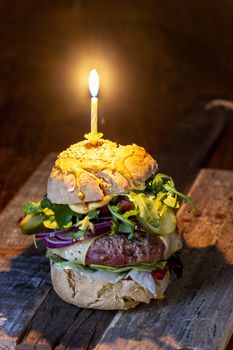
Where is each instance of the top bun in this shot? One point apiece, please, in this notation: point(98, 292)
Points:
point(85, 172)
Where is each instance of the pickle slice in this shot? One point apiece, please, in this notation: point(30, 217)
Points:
point(167, 222)
point(31, 224)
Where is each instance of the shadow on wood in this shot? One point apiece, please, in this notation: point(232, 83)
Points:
point(37, 319)
point(188, 317)
point(188, 311)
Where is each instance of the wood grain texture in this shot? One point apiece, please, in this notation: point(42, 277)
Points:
point(12, 241)
point(60, 326)
point(84, 333)
point(185, 151)
point(161, 59)
point(197, 312)
point(24, 283)
point(24, 272)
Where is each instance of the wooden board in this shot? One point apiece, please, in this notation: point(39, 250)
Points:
point(184, 151)
point(12, 242)
point(58, 324)
point(24, 271)
point(22, 291)
point(198, 310)
point(81, 328)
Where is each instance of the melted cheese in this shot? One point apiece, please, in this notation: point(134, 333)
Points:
point(76, 252)
point(172, 243)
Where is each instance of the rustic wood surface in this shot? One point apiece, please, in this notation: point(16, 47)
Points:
point(190, 143)
point(24, 271)
point(155, 60)
point(80, 328)
point(197, 312)
point(12, 242)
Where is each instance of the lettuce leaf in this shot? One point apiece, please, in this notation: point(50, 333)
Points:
point(137, 267)
point(126, 225)
point(163, 186)
point(147, 211)
point(55, 216)
point(32, 207)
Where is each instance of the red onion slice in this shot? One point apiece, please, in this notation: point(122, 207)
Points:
point(98, 227)
point(65, 239)
point(56, 239)
point(53, 244)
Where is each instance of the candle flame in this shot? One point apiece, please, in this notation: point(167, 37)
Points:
point(94, 82)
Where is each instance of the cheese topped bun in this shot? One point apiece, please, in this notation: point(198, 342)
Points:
point(88, 173)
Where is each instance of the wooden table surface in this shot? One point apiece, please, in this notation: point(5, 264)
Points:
point(159, 63)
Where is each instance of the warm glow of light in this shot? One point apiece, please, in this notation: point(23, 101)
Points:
point(94, 82)
point(77, 71)
point(114, 73)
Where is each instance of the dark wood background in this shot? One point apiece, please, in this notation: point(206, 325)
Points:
point(156, 59)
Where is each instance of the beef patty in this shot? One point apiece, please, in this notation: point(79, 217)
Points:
point(117, 250)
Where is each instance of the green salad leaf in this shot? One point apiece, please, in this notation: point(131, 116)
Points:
point(153, 208)
point(138, 267)
point(163, 187)
point(148, 212)
point(52, 216)
point(126, 225)
point(32, 207)
point(85, 224)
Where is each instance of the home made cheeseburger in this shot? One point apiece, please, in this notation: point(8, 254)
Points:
point(108, 221)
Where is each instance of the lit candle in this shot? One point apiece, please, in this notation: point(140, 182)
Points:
point(94, 88)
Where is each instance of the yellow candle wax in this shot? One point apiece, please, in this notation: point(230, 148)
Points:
point(94, 88)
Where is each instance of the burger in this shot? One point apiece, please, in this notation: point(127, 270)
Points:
point(108, 221)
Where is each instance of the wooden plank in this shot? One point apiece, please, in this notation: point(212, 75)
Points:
point(184, 152)
point(53, 327)
point(197, 312)
point(24, 276)
point(88, 327)
point(24, 283)
point(12, 241)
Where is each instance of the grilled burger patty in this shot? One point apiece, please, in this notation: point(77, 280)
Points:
point(117, 250)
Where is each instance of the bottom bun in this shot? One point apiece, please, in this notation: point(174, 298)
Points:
point(103, 295)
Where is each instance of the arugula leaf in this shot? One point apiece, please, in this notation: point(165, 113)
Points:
point(113, 227)
point(171, 201)
point(128, 225)
point(124, 228)
point(32, 207)
point(147, 211)
point(85, 224)
point(46, 203)
point(157, 183)
point(163, 187)
point(63, 214)
point(93, 214)
point(54, 216)
point(138, 267)
point(129, 213)
point(187, 199)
